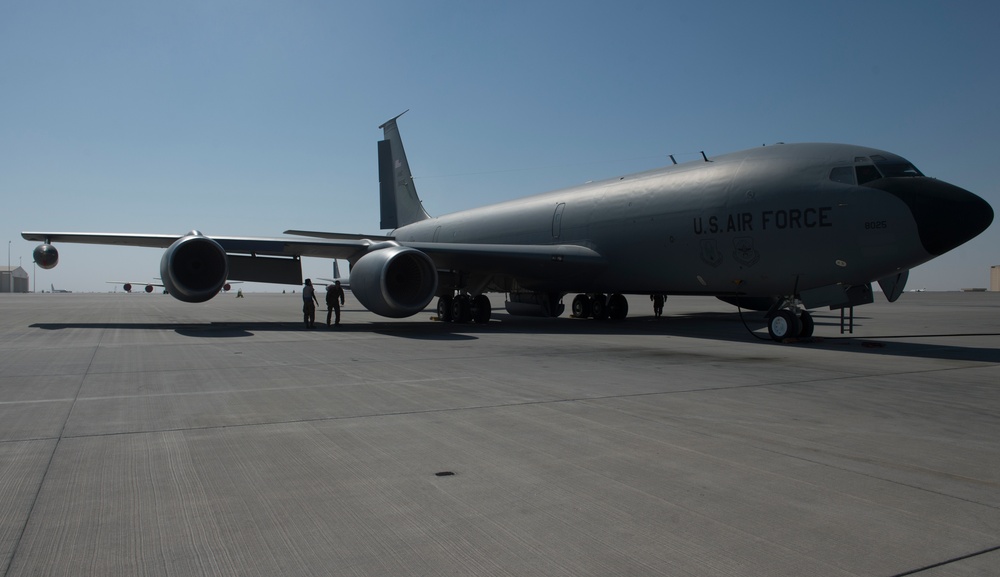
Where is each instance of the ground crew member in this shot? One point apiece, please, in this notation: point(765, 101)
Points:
point(309, 304)
point(334, 298)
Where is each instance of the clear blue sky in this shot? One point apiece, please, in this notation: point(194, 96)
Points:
point(253, 117)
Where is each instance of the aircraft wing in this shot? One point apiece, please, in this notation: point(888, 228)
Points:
point(345, 248)
point(338, 235)
point(512, 259)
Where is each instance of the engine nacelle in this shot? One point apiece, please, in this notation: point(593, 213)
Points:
point(45, 256)
point(395, 281)
point(194, 268)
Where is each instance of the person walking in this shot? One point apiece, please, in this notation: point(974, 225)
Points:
point(334, 299)
point(657, 299)
point(309, 304)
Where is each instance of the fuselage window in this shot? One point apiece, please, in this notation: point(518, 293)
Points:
point(844, 174)
point(867, 173)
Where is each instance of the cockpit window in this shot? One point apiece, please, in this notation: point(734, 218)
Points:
point(867, 173)
point(844, 174)
point(897, 168)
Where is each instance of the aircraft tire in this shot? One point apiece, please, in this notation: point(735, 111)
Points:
point(461, 309)
point(806, 320)
point(783, 325)
point(481, 310)
point(444, 309)
point(617, 307)
point(599, 307)
point(581, 307)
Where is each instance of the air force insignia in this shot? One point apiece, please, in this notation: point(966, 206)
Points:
point(744, 252)
point(710, 253)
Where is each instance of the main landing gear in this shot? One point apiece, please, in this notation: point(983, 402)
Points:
point(464, 309)
point(599, 306)
point(789, 323)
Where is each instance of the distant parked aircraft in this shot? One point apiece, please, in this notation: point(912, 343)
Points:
point(344, 284)
point(55, 290)
point(128, 285)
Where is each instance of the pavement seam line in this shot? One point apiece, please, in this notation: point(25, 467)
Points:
point(48, 465)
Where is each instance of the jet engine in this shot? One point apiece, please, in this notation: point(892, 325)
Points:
point(395, 281)
point(194, 268)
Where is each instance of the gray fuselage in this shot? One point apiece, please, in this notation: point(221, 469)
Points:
point(766, 221)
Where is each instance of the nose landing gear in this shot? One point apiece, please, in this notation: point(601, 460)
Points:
point(790, 323)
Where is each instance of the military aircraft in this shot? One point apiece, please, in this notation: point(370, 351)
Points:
point(127, 286)
point(344, 283)
point(783, 228)
point(55, 290)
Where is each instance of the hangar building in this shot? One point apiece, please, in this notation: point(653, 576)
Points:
point(18, 275)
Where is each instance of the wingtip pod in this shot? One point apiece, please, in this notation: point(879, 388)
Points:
point(46, 256)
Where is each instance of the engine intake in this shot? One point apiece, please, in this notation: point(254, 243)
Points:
point(394, 282)
point(194, 268)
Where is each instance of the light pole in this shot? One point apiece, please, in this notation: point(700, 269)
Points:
point(10, 274)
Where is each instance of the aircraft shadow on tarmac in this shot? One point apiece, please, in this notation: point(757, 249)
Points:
point(710, 325)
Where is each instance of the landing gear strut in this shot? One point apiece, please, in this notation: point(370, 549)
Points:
point(464, 309)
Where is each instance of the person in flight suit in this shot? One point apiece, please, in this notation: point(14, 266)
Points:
point(334, 299)
point(657, 299)
point(309, 304)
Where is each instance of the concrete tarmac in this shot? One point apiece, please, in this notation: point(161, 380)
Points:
point(144, 436)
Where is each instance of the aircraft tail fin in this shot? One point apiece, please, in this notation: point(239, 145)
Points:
point(400, 204)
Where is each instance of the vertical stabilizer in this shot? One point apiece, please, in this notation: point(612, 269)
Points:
point(397, 193)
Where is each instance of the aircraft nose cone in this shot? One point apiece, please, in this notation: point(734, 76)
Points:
point(946, 215)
